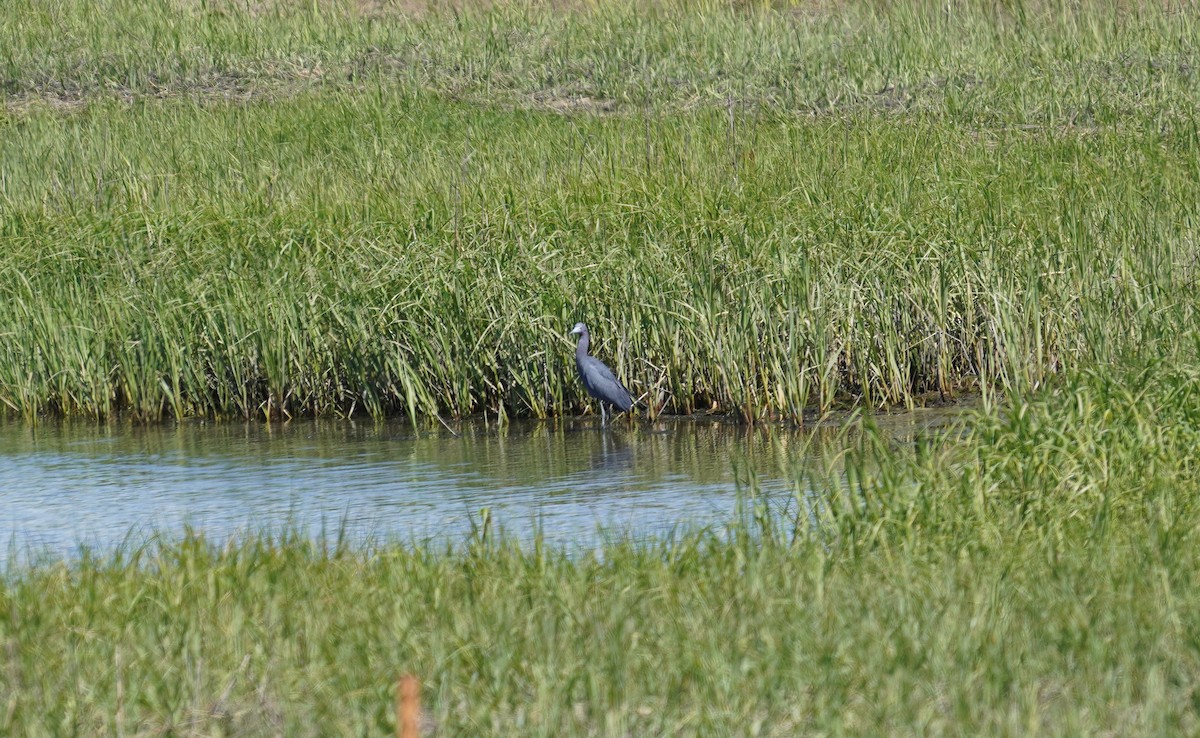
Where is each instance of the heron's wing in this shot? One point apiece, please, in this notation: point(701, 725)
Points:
point(604, 382)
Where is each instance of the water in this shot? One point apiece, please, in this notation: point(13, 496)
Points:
point(67, 484)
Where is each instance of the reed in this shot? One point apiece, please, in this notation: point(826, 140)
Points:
point(268, 212)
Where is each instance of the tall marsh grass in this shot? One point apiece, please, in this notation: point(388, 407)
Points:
point(760, 212)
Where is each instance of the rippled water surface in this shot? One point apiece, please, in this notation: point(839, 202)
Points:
point(66, 484)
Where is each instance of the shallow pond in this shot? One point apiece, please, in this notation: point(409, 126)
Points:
point(66, 484)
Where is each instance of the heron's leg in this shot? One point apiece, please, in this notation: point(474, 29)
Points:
point(603, 415)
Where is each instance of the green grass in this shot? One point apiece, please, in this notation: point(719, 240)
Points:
point(1018, 62)
point(1033, 574)
point(392, 242)
point(264, 211)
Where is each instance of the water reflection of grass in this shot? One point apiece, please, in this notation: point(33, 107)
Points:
point(232, 210)
point(1035, 573)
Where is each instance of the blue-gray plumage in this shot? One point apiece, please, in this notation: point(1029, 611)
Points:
point(597, 378)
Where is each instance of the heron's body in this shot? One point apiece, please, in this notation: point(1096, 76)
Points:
point(597, 378)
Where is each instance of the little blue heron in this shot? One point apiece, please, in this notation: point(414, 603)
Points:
point(597, 378)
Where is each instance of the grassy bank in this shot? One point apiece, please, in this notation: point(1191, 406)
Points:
point(402, 212)
point(1034, 575)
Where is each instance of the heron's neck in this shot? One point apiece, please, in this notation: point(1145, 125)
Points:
point(581, 350)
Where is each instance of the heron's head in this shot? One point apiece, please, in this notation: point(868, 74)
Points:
point(579, 329)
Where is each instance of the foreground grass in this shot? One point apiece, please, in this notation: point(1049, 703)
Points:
point(745, 226)
point(1035, 574)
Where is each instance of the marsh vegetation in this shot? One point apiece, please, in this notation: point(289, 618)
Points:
point(772, 212)
point(266, 209)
